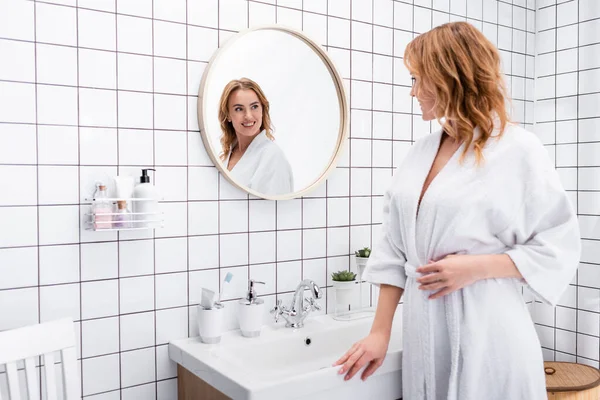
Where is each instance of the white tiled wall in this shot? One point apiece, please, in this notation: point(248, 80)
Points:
point(92, 88)
point(568, 122)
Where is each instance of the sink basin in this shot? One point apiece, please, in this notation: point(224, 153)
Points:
point(286, 363)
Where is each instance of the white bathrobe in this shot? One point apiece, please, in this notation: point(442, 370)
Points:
point(478, 342)
point(264, 168)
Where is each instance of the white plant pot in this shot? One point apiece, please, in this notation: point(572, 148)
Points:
point(344, 292)
point(361, 263)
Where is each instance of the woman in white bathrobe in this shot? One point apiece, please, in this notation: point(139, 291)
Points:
point(248, 148)
point(474, 212)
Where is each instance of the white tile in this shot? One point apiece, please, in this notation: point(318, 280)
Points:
point(313, 243)
point(589, 179)
point(545, 64)
point(289, 245)
point(98, 107)
point(171, 324)
point(588, 346)
point(169, 39)
point(99, 261)
point(58, 224)
point(589, 57)
point(101, 5)
point(98, 69)
point(360, 208)
point(202, 43)
point(195, 70)
point(546, 41)
point(136, 330)
point(18, 267)
point(25, 314)
point(135, 110)
point(58, 185)
point(208, 279)
point(18, 144)
point(566, 37)
point(203, 12)
point(136, 294)
point(340, 8)
point(403, 16)
point(171, 254)
point(262, 247)
point(361, 95)
point(136, 147)
point(26, 219)
point(136, 257)
point(362, 10)
point(422, 19)
point(172, 183)
point(382, 69)
point(17, 20)
point(289, 274)
point(55, 24)
point(233, 249)
point(165, 367)
point(23, 183)
point(100, 337)
point(360, 124)
point(338, 32)
point(134, 35)
point(382, 153)
point(289, 214)
point(142, 8)
point(566, 318)
point(98, 146)
point(175, 219)
point(382, 97)
point(170, 10)
point(314, 213)
point(262, 215)
point(360, 181)
point(566, 132)
point(337, 241)
point(57, 105)
point(360, 153)
point(203, 218)
point(589, 203)
point(112, 395)
point(589, 82)
point(490, 10)
point(167, 390)
point(589, 130)
point(504, 38)
point(315, 27)
point(169, 76)
point(565, 341)
point(362, 36)
point(402, 99)
point(203, 183)
point(475, 10)
point(233, 216)
point(588, 155)
point(99, 299)
point(566, 108)
point(588, 299)
point(18, 60)
point(383, 41)
point(566, 13)
point(135, 72)
point(588, 323)
point(171, 290)
point(458, 7)
point(170, 112)
point(17, 102)
point(289, 17)
point(147, 391)
point(59, 264)
point(234, 17)
point(59, 301)
point(589, 105)
point(566, 61)
point(106, 367)
point(588, 9)
point(170, 147)
point(96, 30)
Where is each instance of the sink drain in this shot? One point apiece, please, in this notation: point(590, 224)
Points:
point(307, 341)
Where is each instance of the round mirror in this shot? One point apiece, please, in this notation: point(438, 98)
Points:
point(272, 112)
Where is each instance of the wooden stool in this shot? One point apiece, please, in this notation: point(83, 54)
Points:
point(570, 381)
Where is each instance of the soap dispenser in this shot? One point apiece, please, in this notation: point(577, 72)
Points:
point(251, 311)
point(146, 208)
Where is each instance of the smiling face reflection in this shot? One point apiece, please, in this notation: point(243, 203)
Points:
point(245, 112)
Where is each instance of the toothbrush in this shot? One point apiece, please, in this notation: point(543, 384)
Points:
point(227, 279)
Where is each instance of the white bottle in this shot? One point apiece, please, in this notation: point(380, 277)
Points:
point(145, 211)
point(251, 311)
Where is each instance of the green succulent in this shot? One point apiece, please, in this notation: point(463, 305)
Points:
point(343, 276)
point(366, 252)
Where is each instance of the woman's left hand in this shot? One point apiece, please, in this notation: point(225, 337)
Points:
point(449, 274)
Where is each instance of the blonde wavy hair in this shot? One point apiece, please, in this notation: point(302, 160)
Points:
point(462, 69)
point(229, 138)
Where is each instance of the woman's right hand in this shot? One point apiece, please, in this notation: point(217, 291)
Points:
point(370, 351)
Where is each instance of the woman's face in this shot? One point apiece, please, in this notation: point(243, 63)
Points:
point(245, 112)
point(425, 97)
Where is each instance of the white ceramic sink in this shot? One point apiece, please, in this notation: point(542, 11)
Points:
point(281, 365)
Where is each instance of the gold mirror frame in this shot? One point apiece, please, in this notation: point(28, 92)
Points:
point(343, 104)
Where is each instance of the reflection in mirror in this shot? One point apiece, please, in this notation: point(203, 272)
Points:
point(272, 112)
point(249, 150)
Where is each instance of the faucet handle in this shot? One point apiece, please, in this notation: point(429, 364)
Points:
point(277, 310)
point(312, 304)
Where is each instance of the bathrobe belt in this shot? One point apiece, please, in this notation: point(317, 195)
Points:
point(422, 352)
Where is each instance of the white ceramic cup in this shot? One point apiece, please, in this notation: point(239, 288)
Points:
point(210, 324)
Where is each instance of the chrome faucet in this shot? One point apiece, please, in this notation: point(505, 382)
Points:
point(300, 307)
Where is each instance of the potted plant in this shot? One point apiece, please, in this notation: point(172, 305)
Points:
point(343, 282)
point(362, 256)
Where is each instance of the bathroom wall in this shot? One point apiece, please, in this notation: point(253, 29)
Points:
point(567, 115)
point(94, 88)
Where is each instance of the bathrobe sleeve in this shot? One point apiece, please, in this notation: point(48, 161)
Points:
point(544, 237)
point(387, 259)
